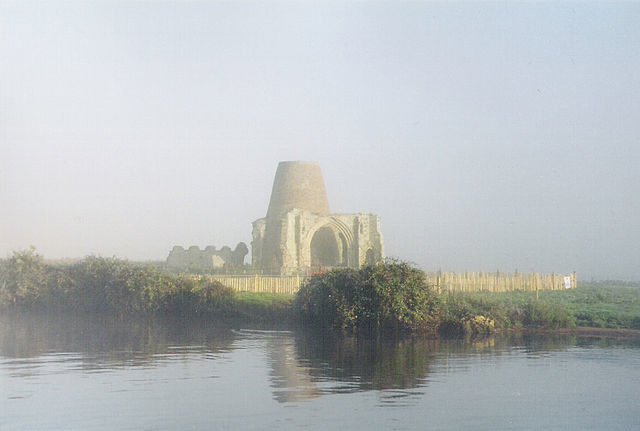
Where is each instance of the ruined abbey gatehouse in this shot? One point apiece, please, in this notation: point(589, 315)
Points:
point(299, 235)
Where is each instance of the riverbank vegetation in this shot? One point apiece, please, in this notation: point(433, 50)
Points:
point(393, 295)
point(388, 296)
point(96, 284)
point(343, 298)
point(612, 305)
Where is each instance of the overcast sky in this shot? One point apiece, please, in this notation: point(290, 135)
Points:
point(487, 136)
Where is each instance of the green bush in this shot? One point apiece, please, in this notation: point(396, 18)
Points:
point(22, 277)
point(195, 296)
point(454, 318)
point(97, 284)
point(460, 317)
point(391, 295)
point(328, 300)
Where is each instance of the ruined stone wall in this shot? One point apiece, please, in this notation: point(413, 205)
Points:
point(350, 240)
point(299, 234)
point(195, 259)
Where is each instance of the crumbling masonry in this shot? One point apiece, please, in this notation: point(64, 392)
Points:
point(299, 235)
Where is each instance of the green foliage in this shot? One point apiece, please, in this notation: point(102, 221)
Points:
point(327, 300)
point(594, 305)
point(21, 278)
point(603, 305)
point(196, 296)
point(460, 317)
point(547, 315)
point(264, 307)
point(390, 295)
point(454, 317)
point(107, 284)
point(387, 295)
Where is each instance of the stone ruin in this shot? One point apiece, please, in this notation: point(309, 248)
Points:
point(208, 259)
point(298, 236)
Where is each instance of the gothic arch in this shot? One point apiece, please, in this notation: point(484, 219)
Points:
point(328, 243)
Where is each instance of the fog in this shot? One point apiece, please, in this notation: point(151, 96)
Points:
point(487, 136)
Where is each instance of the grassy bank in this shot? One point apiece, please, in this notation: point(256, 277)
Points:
point(391, 295)
point(598, 305)
point(592, 305)
point(264, 307)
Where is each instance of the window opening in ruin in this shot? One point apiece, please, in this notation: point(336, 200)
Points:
point(371, 257)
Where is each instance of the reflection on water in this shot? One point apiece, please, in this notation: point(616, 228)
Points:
point(162, 374)
point(290, 379)
point(101, 342)
point(302, 364)
point(365, 364)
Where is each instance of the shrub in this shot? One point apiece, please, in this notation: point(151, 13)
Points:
point(196, 296)
point(459, 318)
point(107, 284)
point(328, 300)
point(454, 318)
point(482, 325)
point(386, 295)
point(21, 279)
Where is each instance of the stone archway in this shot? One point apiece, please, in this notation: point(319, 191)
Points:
point(328, 243)
point(324, 248)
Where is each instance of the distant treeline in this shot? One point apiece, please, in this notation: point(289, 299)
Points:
point(97, 284)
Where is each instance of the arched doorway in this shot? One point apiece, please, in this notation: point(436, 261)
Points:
point(324, 248)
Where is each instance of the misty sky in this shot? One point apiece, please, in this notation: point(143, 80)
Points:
point(487, 136)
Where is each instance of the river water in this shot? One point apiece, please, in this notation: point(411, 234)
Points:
point(99, 373)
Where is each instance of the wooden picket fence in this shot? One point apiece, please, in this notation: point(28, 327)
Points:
point(499, 282)
point(440, 281)
point(261, 283)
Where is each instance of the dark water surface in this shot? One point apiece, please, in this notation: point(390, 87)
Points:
point(80, 373)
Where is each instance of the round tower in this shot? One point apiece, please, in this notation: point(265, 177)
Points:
point(299, 235)
point(298, 185)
